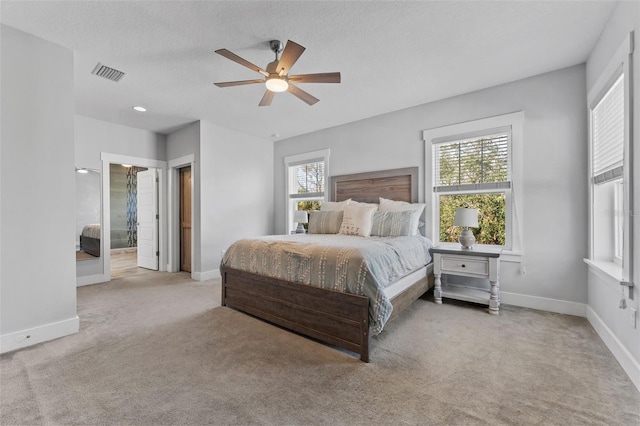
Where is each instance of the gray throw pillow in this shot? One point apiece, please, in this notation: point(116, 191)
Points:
point(392, 224)
point(325, 222)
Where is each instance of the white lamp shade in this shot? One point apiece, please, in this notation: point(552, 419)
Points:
point(466, 217)
point(300, 216)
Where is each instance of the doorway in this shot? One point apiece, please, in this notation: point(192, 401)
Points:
point(133, 196)
point(160, 167)
point(185, 219)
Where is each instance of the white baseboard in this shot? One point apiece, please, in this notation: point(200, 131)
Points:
point(92, 279)
point(23, 338)
point(622, 355)
point(543, 303)
point(206, 275)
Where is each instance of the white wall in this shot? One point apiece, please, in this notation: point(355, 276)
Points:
point(554, 191)
point(612, 323)
point(37, 219)
point(93, 137)
point(236, 194)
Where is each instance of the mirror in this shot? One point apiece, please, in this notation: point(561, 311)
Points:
point(88, 213)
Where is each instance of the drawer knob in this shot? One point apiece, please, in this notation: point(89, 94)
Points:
point(463, 265)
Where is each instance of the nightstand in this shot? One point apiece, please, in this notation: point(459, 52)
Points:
point(477, 262)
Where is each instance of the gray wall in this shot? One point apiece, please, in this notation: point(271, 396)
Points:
point(554, 193)
point(233, 195)
point(96, 136)
point(603, 296)
point(236, 191)
point(38, 282)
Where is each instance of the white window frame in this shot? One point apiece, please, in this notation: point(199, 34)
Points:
point(620, 62)
point(513, 249)
point(618, 222)
point(291, 160)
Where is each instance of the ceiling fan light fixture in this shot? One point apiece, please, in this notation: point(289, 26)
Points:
point(277, 84)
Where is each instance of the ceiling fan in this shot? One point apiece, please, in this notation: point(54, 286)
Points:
point(276, 76)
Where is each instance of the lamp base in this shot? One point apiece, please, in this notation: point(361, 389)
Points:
point(466, 239)
point(300, 229)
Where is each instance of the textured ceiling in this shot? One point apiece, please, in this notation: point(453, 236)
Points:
point(391, 54)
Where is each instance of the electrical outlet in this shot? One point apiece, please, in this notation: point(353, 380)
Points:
point(634, 317)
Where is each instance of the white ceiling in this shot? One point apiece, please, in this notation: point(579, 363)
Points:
point(391, 54)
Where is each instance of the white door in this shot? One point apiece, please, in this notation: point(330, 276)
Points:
point(147, 199)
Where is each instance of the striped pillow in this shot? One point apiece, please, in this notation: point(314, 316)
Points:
point(392, 224)
point(325, 222)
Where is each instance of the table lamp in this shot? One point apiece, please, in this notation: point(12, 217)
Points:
point(300, 216)
point(467, 218)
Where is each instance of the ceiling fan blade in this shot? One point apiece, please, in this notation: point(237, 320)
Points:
point(301, 94)
point(325, 77)
point(238, 83)
point(235, 58)
point(290, 55)
point(267, 98)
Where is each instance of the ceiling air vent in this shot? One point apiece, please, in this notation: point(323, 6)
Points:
point(107, 72)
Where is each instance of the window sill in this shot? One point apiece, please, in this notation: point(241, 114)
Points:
point(609, 272)
point(512, 256)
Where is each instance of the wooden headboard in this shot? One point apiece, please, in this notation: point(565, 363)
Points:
point(394, 184)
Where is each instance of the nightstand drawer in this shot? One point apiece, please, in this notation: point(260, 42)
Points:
point(466, 265)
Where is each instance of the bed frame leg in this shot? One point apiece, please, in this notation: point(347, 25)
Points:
point(364, 355)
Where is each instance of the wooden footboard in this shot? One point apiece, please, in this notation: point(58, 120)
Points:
point(336, 318)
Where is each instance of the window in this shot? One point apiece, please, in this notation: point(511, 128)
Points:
point(607, 157)
point(474, 173)
point(611, 192)
point(472, 166)
point(306, 183)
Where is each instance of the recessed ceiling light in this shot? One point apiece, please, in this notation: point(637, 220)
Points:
point(139, 108)
point(126, 165)
point(82, 170)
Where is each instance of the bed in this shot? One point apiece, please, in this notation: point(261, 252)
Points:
point(332, 316)
point(90, 239)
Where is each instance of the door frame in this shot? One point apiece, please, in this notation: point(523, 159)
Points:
point(105, 238)
point(173, 264)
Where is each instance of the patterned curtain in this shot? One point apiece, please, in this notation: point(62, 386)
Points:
point(132, 206)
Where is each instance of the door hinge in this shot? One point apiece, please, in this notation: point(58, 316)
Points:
point(157, 216)
point(157, 179)
point(157, 253)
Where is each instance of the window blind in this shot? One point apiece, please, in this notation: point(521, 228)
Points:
point(607, 126)
point(307, 180)
point(473, 164)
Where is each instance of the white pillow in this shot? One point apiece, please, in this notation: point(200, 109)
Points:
point(357, 221)
point(400, 206)
point(334, 205)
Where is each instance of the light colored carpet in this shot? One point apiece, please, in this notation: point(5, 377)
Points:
point(156, 349)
